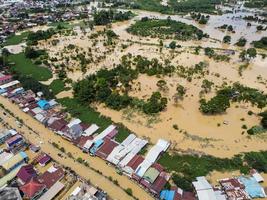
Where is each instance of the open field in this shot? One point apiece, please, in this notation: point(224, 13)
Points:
point(27, 67)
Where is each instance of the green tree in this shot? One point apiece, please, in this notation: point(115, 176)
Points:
point(172, 45)
point(227, 39)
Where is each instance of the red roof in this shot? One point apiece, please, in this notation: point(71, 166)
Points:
point(159, 183)
point(135, 162)
point(32, 188)
point(58, 125)
point(231, 184)
point(50, 178)
point(5, 77)
point(106, 148)
point(84, 126)
point(158, 167)
point(26, 173)
point(80, 142)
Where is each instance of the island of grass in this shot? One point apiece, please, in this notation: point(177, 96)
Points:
point(16, 39)
point(57, 86)
point(166, 28)
point(26, 67)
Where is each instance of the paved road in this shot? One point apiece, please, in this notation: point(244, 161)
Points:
point(47, 136)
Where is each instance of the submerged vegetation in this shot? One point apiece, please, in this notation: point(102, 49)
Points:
point(165, 29)
point(261, 44)
point(187, 167)
point(237, 93)
point(103, 86)
point(105, 17)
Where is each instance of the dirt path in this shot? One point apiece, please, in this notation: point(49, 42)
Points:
point(46, 137)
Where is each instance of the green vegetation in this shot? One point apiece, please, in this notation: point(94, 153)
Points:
point(261, 44)
point(217, 57)
point(26, 67)
point(237, 93)
point(227, 39)
point(90, 116)
point(174, 6)
point(241, 42)
point(165, 29)
point(104, 85)
point(105, 17)
point(247, 55)
point(57, 86)
point(202, 19)
point(256, 3)
point(187, 167)
point(34, 37)
point(16, 39)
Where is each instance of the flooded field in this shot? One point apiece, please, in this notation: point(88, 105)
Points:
point(219, 135)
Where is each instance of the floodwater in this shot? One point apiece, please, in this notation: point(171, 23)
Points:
point(44, 139)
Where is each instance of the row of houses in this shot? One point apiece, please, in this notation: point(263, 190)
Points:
point(125, 156)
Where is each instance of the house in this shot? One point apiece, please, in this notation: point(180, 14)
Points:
point(133, 164)
point(10, 86)
point(73, 132)
point(5, 79)
point(26, 173)
point(176, 194)
point(159, 183)
point(34, 148)
point(33, 189)
point(14, 141)
point(151, 157)
point(106, 148)
point(96, 146)
point(10, 193)
point(203, 189)
point(44, 159)
point(234, 189)
point(91, 130)
point(5, 156)
point(257, 176)
point(51, 176)
point(58, 125)
point(43, 104)
point(151, 174)
point(252, 187)
point(52, 192)
point(4, 136)
point(15, 161)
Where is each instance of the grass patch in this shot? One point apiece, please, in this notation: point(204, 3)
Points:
point(64, 25)
point(57, 86)
point(90, 116)
point(16, 39)
point(26, 67)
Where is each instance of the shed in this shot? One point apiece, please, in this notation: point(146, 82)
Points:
point(43, 104)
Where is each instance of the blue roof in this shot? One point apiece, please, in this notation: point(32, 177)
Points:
point(2, 91)
point(43, 104)
point(98, 143)
point(252, 187)
point(23, 154)
point(167, 194)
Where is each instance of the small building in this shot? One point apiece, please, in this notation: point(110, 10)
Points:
point(133, 164)
point(159, 183)
point(96, 146)
point(58, 125)
point(15, 161)
point(52, 192)
point(26, 173)
point(5, 156)
point(5, 79)
point(257, 176)
point(203, 189)
point(91, 130)
point(106, 148)
point(14, 141)
point(4, 136)
point(51, 176)
point(43, 104)
point(10, 193)
point(33, 189)
point(34, 148)
point(44, 159)
point(10, 86)
point(252, 187)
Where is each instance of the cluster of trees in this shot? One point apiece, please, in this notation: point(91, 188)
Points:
point(248, 54)
point(105, 17)
point(111, 86)
point(227, 27)
point(165, 28)
point(219, 103)
point(203, 6)
point(32, 53)
point(202, 19)
point(217, 57)
point(256, 3)
point(34, 37)
point(241, 42)
point(262, 43)
point(227, 39)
